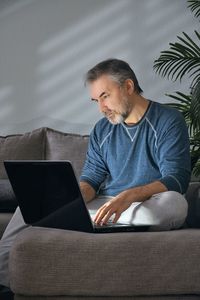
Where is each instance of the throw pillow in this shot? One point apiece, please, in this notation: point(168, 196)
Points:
point(66, 146)
point(21, 147)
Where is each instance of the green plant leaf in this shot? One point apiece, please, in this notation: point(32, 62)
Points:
point(195, 107)
point(190, 43)
point(182, 58)
point(186, 99)
point(194, 5)
point(190, 114)
point(196, 169)
point(187, 67)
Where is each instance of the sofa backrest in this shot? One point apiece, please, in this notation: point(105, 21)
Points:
point(66, 146)
point(43, 143)
point(30, 145)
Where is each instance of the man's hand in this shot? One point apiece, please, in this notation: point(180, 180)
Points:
point(115, 206)
point(121, 202)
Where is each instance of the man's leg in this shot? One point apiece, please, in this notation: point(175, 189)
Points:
point(15, 226)
point(163, 211)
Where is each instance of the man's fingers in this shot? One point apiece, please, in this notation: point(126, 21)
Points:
point(116, 218)
point(100, 214)
point(107, 217)
point(104, 214)
point(103, 217)
point(106, 211)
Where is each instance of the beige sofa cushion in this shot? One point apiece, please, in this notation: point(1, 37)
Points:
point(21, 146)
point(66, 146)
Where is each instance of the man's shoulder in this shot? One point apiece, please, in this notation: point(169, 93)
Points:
point(164, 113)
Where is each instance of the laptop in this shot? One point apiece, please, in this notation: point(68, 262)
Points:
point(48, 195)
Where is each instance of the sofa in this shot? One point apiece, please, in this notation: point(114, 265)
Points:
point(60, 264)
point(42, 143)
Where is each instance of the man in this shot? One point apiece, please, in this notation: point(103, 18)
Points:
point(138, 161)
point(138, 153)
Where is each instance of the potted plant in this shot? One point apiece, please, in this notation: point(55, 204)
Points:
point(183, 58)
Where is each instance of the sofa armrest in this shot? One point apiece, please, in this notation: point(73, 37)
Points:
point(8, 202)
point(4, 220)
point(59, 262)
point(193, 198)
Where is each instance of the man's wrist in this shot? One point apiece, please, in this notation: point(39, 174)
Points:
point(87, 191)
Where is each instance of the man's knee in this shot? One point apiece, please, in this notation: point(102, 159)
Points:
point(175, 204)
point(170, 209)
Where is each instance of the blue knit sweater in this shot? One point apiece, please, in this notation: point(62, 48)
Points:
point(120, 157)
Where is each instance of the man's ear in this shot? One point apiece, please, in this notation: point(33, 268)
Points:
point(129, 84)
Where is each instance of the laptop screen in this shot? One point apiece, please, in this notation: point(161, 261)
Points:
point(41, 188)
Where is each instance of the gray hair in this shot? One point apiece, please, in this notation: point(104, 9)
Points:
point(117, 69)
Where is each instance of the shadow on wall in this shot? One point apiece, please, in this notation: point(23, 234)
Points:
point(50, 91)
point(65, 58)
point(61, 62)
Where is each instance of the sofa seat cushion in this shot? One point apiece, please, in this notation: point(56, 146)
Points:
point(8, 202)
point(66, 146)
point(25, 146)
point(165, 297)
point(59, 262)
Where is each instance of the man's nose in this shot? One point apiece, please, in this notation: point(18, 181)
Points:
point(102, 105)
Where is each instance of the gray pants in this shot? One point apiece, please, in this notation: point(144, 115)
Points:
point(164, 211)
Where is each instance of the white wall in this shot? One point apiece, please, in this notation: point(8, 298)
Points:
point(46, 47)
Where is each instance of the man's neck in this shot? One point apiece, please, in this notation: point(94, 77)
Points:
point(140, 106)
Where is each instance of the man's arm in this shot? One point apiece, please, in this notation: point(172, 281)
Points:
point(173, 154)
point(87, 191)
point(122, 201)
point(94, 170)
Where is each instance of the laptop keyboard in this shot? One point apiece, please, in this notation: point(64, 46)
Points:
point(108, 224)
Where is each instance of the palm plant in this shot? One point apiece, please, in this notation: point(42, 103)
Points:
point(183, 58)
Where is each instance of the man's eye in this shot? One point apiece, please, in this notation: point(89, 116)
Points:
point(105, 96)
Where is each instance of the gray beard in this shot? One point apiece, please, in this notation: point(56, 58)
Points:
point(120, 117)
point(117, 120)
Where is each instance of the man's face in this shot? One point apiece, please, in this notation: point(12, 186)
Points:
point(112, 99)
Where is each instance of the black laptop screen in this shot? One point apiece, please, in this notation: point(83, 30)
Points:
point(41, 188)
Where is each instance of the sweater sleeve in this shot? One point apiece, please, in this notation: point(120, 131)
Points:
point(174, 155)
point(94, 170)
